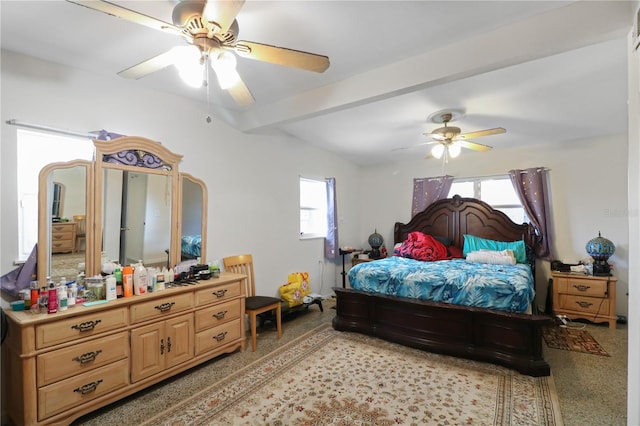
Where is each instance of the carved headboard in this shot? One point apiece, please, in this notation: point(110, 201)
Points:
point(454, 217)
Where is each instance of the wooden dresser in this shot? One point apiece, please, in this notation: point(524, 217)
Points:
point(63, 237)
point(64, 365)
point(585, 296)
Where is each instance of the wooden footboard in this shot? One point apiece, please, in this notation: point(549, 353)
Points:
point(508, 339)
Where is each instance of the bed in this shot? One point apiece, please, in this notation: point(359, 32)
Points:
point(510, 336)
point(190, 247)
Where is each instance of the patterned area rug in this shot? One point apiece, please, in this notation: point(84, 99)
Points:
point(569, 339)
point(327, 377)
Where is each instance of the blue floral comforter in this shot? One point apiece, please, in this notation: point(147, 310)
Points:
point(191, 245)
point(503, 287)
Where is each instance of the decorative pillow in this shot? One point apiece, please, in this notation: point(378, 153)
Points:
point(444, 240)
point(421, 246)
point(504, 257)
point(455, 252)
point(473, 243)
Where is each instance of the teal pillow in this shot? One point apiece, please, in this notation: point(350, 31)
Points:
point(473, 243)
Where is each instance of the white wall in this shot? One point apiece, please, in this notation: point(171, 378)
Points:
point(588, 186)
point(252, 179)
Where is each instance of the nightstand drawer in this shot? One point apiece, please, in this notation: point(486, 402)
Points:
point(582, 287)
point(588, 305)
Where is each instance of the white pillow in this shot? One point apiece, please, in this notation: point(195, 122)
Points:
point(503, 257)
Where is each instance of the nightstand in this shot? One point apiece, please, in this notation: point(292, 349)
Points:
point(584, 296)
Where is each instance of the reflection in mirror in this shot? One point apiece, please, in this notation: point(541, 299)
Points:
point(63, 194)
point(193, 224)
point(136, 199)
point(136, 217)
point(58, 196)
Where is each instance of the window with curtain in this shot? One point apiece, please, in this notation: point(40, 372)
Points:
point(497, 191)
point(313, 208)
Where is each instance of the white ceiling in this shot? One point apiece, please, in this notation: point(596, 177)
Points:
point(547, 71)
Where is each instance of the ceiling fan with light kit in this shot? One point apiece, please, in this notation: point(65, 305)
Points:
point(449, 140)
point(210, 30)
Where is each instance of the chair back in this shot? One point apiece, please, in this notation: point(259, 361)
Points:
point(242, 264)
point(81, 225)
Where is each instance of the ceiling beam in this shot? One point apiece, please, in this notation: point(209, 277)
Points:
point(580, 24)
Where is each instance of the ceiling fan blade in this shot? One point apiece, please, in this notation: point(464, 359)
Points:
point(222, 12)
point(150, 65)
point(127, 14)
point(479, 133)
point(282, 56)
point(413, 146)
point(474, 146)
point(436, 136)
point(241, 94)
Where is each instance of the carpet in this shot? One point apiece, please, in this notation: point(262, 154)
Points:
point(570, 339)
point(331, 377)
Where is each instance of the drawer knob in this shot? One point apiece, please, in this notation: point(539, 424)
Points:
point(582, 287)
point(88, 388)
point(584, 304)
point(86, 326)
point(168, 344)
point(220, 293)
point(165, 307)
point(220, 336)
point(88, 357)
point(220, 314)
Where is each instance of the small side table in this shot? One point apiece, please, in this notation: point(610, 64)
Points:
point(585, 296)
point(343, 253)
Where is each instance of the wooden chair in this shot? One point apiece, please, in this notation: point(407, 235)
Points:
point(254, 305)
point(81, 230)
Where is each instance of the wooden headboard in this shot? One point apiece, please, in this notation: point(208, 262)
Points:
point(454, 217)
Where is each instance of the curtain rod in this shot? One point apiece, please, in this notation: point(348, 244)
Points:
point(18, 123)
point(499, 175)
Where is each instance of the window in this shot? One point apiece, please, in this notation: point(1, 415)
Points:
point(497, 191)
point(36, 150)
point(313, 208)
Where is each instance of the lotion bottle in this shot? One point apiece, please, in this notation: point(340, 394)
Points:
point(62, 298)
point(52, 301)
point(140, 279)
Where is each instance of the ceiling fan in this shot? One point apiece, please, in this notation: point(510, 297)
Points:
point(449, 140)
point(211, 31)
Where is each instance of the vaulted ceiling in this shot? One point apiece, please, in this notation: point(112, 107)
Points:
point(546, 71)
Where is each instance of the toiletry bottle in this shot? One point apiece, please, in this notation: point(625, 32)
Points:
point(111, 287)
point(140, 279)
point(72, 294)
point(127, 281)
point(34, 293)
point(52, 301)
point(119, 286)
point(62, 298)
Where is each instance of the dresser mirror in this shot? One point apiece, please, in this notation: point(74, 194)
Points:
point(64, 203)
point(135, 205)
point(136, 190)
point(193, 223)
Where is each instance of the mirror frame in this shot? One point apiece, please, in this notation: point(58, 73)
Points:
point(170, 162)
point(45, 217)
point(203, 225)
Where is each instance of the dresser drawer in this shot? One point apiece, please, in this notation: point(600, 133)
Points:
point(217, 314)
point(78, 327)
point(63, 227)
point(218, 293)
point(588, 305)
point(75, 360)
point(217, 336)
point(77, 390)
point(582, 287)
point(158, 308)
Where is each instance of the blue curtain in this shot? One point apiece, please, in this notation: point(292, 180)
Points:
point(331, 241)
